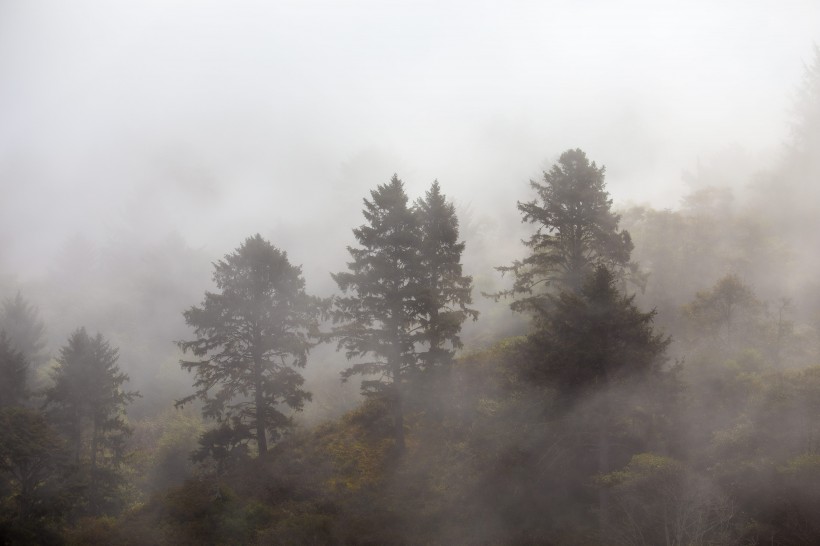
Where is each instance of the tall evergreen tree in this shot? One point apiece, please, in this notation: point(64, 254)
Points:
point(378, 317)
point(87, 404)
point(13, 370)
point(576, 232)
point(251, 338)
point(26, 332)
point(445, 292)
point(405, 294)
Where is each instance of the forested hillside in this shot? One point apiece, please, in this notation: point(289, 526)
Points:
point(625, 375)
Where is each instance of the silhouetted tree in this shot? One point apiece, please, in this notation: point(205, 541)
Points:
point(26, 332)
point(445, 292)
point(87, 404)
point(587, 340)
point(13, 370)
point(252, 337)
point(577, 232)
point(380, 316)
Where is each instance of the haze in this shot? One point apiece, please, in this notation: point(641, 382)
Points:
point(214, 120)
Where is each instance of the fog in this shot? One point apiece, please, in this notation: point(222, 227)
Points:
point(215, 120)
point(143, 141)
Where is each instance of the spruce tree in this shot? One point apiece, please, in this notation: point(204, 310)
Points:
point(24, 329)
point(378, 317)
point(405, 296)
point(13, 370)
point(87, 405)
point(445, 292)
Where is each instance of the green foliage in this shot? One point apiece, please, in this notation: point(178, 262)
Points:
point(730, 308)
point(576, 232)
point(379, 316)
point(587, 340)
point(252, 337)
point(31, 457)
point(405, 295)
point(660, 501)
point(26, 332)
point(87, 405)
point(445, 292)
point(13, 371)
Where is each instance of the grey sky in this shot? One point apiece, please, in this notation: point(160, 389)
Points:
point(220, 119)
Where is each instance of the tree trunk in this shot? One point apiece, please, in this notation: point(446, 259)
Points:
point(259, 399)
point(261, 434)
point(603, 468)
point(398, 421)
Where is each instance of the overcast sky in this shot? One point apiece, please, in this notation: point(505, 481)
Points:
point(219, 119)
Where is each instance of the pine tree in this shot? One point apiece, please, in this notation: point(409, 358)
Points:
point(87, 404)
point(445, 291)
point(378, 317)
point(252, 337)
point(577, 232)
point(24, 329)
point(13, 370)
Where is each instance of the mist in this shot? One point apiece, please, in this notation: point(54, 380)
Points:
point(143, 142)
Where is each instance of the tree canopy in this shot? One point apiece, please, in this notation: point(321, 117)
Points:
point(87, 405)
point(405, 294)
point(252, 337)
point(576, 232)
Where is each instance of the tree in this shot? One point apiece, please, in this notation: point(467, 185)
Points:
point(87, 404)
point(577, 232)
point(586, 343)
point(380, 316)
point(716, 310)
point(445, 292)
point(252, 337)
point(30, 454)
point(13, 370)
point(588, 340)
point(20, 320)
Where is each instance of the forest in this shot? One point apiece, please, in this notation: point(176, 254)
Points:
point(630, 376)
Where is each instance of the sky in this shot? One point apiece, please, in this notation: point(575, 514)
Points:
point(215, 120)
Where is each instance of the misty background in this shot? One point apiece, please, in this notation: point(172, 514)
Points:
point(140, 141)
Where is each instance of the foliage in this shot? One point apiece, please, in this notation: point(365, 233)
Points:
point(13, 371)
point(719, 310)
point(252, 337)
point(576, 232)
point(445, 292)
point(87, 405)
point(587, 340)
point(659, 501)
point(404, 292)
point(31, 457)
point(26, 332)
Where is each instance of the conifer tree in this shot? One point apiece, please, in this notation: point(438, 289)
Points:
point(24, 329)
point(87, 404)
point(378, 316)
point(405, 295)
point(252, 337)
point(576, 232)
point(445, 292)
point(13, 369)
